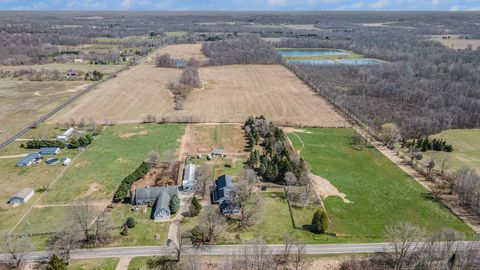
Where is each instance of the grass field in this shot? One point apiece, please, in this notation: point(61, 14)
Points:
point(456, 42)
point(105, 69)
point(36, 177)
point(22, 102)
point(380, 192)
point(231, 94)
point(98, 171)
point(176, 33)
point(93, 264)
point(466, 150)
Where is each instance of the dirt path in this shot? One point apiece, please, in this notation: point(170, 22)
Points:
point(173, 229)
point(323, 188)
point(13, 156)
point(123, 263)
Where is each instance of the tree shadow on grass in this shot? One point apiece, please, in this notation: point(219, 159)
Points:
point(163, 262)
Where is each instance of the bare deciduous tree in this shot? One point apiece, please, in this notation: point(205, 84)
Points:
point(203, 176)
point(18, 247)
point(211, 222)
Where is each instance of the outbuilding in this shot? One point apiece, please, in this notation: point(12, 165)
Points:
point(21, 196)
point(188, 177)
point(49, 151)
point(30, 159)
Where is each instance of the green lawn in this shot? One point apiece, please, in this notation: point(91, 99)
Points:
point(176, 34)
point(466, 150)
point(381, 193)
point(98, 171)
point(111, 158)
point(93, 264)
point(144, 232)
point(273, 224)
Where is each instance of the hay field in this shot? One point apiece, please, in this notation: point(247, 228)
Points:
point(22, 102)
point(232, 93)
point(185, 51)
point(129, 98)
point(457, 42)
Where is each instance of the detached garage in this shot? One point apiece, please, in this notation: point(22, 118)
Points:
point(22, 196)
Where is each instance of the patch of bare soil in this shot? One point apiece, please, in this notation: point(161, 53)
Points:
point(93, 187)
point(325, 189)
point(133, 134)
point(164, 173)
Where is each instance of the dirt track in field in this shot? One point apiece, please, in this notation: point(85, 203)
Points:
point(185, 51)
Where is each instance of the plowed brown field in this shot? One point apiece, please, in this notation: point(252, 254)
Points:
point(230, 94)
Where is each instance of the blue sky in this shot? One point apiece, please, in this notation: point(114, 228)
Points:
point(445, 5)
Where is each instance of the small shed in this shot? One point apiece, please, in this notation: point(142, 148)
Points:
point(30, 159)
point(66, 161)
point(21, 196)
point(49, 151)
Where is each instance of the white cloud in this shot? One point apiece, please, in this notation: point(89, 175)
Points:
point(379, 4)
point(127, 4)
point(454, 8)
point(277, 2)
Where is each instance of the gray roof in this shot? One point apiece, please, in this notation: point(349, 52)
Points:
point(49, 150)
point(189, 172)
point(23, 193)
point(223, 188)
point(162, 202)
point(152, 193)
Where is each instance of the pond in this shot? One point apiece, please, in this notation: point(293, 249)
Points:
point(306, 53)
point(311, 61)
point(361, 61)
point(321, 62)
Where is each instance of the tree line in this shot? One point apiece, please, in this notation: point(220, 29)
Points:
point(247, 49)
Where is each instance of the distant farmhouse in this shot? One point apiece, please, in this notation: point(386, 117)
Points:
point(180, 63)
point(158, 196)
point(223, 194)
point(188, 177)
point(21, 197)
point(30, 159)
point(64, 137)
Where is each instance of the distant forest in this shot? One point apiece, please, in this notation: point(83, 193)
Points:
point(424, 89)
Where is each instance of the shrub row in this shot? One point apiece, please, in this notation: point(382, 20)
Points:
point(80, 142)
point(127, 182)
point(37, 144)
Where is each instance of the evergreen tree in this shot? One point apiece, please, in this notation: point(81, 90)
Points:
point(195, 207)
point(174, 204)
point(56, 263)
point(319, 222)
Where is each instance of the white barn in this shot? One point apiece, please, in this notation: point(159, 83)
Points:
point(22, 196)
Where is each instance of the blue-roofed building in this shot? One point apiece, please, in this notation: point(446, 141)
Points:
point(49, 151)
point(30, 159)
point(223, 194)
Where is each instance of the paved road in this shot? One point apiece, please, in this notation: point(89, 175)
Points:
point(218, 250)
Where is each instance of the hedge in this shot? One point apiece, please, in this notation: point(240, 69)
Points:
point(37, 144)
point(127, 182)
